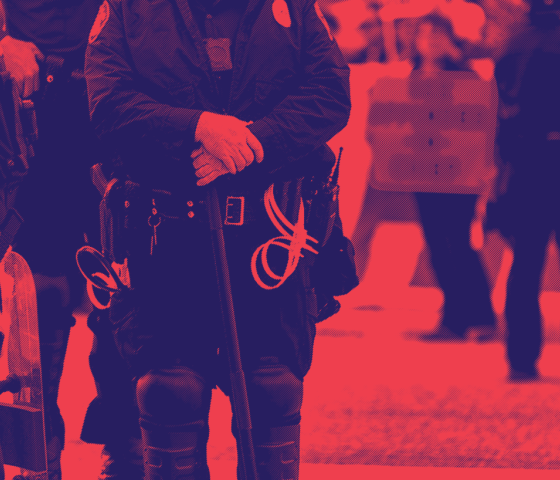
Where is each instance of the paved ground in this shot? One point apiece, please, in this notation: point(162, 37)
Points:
point(380, 406)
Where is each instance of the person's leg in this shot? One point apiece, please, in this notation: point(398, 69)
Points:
point(523, 315)
point(446, 221)
point(112, 417)
point(51, 202)
point(174, 404)
point(54, 329)
point(275, 398)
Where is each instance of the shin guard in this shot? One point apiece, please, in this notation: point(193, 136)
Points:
point(174, 453)
point(123, 460)
point(277, 452)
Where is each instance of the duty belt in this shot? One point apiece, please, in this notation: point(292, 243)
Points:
point(238, 209)
point(58, 69)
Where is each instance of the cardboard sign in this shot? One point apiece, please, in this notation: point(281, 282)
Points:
point(432, 134)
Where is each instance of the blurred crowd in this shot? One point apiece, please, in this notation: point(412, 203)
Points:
point(464, 40)
point(516, 42)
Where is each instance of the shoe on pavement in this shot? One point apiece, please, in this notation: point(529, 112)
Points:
point(439, 334)
point(482, 333)
point(522, 376)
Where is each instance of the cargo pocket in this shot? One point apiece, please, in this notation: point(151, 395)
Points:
point(129, 328)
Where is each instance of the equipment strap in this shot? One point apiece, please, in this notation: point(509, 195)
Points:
point(294, 242)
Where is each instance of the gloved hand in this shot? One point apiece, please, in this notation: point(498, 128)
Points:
point(21, 59)
point(229, 140)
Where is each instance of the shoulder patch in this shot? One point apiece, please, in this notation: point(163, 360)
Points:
point(323, 19)
point(100, 21)
point(281, 13)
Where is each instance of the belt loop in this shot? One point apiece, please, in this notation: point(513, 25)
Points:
point(235, 211)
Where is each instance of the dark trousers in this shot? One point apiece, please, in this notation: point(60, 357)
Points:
point(522, 302)
point(176, 400)
point(446, 220)
point(534, 206)
point(112, 416)
point(55, 322)
point(56, 202)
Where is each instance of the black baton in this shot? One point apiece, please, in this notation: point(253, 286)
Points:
point(240, 400)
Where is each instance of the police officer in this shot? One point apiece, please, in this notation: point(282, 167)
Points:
point(242, 95)
point(529, 139)
point(43, 48)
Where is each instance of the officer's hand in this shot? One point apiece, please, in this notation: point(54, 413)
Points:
point(21, 63)
point(228, 139)
point(207, 166)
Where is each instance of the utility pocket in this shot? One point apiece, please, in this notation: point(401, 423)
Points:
point(334, 270)
point(129, 327)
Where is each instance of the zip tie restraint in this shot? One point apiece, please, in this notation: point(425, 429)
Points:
point(293, 243)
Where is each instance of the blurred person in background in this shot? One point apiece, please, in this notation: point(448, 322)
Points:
point(377, 205)
point(374, 51)
point(446, 217)
point(405, 29)
point(43, 46)
point(504, 18)
point(528, 79)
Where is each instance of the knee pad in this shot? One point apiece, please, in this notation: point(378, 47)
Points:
point(275, 395)
point(173, 396)
point(177, 453)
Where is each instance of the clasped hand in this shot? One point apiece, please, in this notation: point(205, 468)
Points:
point(21, 60)
point(228, 146)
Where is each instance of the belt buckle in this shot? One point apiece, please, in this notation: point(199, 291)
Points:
point(235, 211)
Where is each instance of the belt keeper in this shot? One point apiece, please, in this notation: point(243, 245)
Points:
point(235, 211)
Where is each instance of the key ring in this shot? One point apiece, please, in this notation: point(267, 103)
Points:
point(150, 220)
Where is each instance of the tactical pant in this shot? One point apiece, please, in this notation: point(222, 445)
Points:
point(167, 327)
point(174, 405)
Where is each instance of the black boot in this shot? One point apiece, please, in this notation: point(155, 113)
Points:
point(277, 452)
point(175, 453)
point(54, 343)
point(122, 460)
point(54, 449)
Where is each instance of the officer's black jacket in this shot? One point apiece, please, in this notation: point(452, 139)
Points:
point(149, 77)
